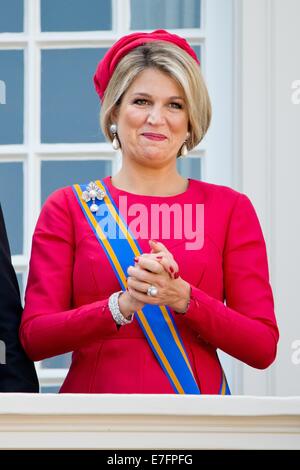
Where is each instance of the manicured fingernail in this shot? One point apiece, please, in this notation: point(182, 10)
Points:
point(158, 257)
point(171, 269)
point(176, 275)
point(136, 259)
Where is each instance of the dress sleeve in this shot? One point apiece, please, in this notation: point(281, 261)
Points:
point(50, 326)
point(246, 326)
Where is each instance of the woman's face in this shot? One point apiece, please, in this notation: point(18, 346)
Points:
point(152, 119)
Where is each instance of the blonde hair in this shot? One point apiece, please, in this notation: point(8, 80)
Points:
point(177, 64)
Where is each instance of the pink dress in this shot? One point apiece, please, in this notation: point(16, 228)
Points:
point(71, 279)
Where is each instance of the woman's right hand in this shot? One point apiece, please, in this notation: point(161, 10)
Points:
point(128, 304)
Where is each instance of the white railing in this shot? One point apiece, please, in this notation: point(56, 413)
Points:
point(29, 421)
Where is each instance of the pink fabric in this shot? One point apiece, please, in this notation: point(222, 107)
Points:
point(70, 280)
point(107, 65)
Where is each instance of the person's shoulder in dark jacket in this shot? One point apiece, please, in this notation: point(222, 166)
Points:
point(17, 371)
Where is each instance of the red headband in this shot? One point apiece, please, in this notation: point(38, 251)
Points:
point(107, 65)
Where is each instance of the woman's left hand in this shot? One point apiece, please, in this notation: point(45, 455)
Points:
point(158, 269)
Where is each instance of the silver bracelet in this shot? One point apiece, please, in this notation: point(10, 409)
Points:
point(187, 306)
point(113, 304)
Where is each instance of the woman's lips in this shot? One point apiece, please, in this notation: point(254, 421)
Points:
point(151, 136)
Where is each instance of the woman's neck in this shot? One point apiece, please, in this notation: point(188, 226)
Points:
point(150, 183)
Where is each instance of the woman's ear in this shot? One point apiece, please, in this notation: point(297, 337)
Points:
point(114, 114)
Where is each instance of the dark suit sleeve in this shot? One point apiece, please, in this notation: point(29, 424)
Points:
point(17, 372)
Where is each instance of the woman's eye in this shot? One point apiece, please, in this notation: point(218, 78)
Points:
point(176, 105)
point(140, 101)
point(143, 102)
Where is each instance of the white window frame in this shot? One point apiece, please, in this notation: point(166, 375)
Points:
point(216, 150)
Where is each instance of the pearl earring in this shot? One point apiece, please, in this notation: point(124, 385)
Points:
point(115, 142)
point(184, 150)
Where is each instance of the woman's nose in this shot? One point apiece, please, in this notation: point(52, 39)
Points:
point(156, 115)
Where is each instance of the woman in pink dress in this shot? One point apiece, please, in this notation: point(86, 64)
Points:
point(144, 315)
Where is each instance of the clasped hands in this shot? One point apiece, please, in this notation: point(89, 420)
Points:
point(157, 268)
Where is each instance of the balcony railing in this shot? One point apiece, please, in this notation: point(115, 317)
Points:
point(29, 421)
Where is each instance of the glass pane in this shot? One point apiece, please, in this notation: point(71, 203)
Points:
point(57, 174)
point(197, 50)
point(165, 14)
point(11, 199)
point(50, 389)
point(70, 105)
point(11, 16)
point(11, 97)
point(189, 167)
point(76, 15)
point(58, 362)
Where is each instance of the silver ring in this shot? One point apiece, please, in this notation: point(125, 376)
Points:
point(152, 290)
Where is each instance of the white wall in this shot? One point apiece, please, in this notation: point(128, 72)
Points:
point(286, 179)
point(268, 62)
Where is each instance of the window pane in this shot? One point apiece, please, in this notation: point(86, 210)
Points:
point(11, 199)
point(70, 105)
point(197, 50)
point(58, 362)
point(50, 389)
point(76, 15)
point(11, 16)
point(189, 167)
point(57, 174)
point(11, 97)
point(165, 14)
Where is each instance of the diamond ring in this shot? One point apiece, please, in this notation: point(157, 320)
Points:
point(152, 290)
